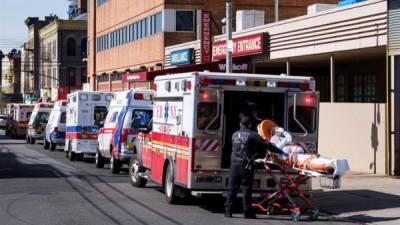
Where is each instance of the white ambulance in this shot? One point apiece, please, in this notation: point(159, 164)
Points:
point(194, 117)
point(86, 112)
point(38, 121)
point(130, 113)
point(55, 128)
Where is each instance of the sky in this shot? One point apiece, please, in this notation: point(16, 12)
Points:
point(13, 31)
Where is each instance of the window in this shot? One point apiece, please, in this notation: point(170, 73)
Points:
point(96, 97)
point(63, 117)
point(139, 24)
point(54, 49)
point(41, 119)
point(306, 115)
point(135, 31)
point(158, 22)
point(116, 77)
point(71, 46)
point(141, 119)
point(147, 26)
point(100, 113)
point(83, 97)
point(206, 111)
point(184, 20)
point(100, 2)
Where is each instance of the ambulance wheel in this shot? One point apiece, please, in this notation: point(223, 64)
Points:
point(31, 140)
point(71, 154)
point(52, 146)
point(295, 216)
point(169, 186)
point(27, 139)
point(313, 215)
point(115, 166)
point(45, 144)
point(99, 160)
point(134, 173)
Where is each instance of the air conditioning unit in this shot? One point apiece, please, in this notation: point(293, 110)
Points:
point(249, 18)
point(315, 8)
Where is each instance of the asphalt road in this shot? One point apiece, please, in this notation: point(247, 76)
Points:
point(42, 187)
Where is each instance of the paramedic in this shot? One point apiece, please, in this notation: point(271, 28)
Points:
point(247, 145)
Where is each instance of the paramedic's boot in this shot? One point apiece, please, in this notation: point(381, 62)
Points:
point(228, 213)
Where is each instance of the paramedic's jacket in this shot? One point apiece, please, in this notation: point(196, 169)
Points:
point(247, 144)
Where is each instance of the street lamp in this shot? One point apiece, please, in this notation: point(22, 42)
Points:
point(229, 43)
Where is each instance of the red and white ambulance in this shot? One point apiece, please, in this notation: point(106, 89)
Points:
point(129, 113)
point(17, 119)
point(194, 117)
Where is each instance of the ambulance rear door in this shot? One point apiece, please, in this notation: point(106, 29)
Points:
point(302, 118)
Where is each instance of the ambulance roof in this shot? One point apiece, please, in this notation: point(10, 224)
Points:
point(121, 98)
point(234, 76)
point(89, 92)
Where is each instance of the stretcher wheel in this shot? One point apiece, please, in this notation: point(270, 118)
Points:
point(296, 216)
point(313, 215)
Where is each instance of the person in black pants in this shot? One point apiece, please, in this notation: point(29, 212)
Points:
point(247, 145)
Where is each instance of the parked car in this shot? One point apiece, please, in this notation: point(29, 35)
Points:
point(38, 121)
point(55, 128)
point(86, 111)
point(129, 113)
point(3, 121)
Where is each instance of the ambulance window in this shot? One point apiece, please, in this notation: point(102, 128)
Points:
point(74, 99)
point(206, 111)
point(28, 115)
point(83, 97)
point(96, 98)
point(109, 98)
point(63, 118)
point(100, 113)
point(141, 119)
point(306, 116)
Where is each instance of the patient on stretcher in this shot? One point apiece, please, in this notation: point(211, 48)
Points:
point(297, 155)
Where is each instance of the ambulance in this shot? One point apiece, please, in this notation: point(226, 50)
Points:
point(195, 114)
point(55, 128)
point(130, 113)
point(38, 121)
point(17, 119)
point(86, 112)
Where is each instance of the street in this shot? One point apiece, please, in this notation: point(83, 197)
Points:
point(42, 187)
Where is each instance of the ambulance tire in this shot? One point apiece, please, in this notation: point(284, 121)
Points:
point(99, 160)
point(134, 176)
point(170, 189)
point(45, 144)
point(52, 146)
point(7, 132)
point(27, 139)
point(31, 140)
point(115, 165)
point(71, 154)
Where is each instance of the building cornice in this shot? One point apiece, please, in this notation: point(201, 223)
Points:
point(57, 25)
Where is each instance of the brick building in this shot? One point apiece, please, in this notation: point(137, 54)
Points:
point(130, 36)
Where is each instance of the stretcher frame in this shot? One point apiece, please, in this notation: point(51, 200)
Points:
point(288, 186)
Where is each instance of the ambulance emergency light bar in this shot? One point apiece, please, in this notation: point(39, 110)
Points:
point(304, 86)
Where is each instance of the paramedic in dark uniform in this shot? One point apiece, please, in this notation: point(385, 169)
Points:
point(247, 145)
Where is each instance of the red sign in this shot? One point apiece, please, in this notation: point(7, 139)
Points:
point(206, 41)
point(65, 90)
point(253, 44)
point(139, 76)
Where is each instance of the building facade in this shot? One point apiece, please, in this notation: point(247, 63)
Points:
point(344, 49)
point(63, 50)
point(33, 47)
point(130, 36)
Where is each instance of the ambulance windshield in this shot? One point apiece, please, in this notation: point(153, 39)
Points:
point(141, 119)
point(206, 111)
point(100, 113)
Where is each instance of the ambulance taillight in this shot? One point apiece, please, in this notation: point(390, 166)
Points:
point(309, 100)
point(138, 96)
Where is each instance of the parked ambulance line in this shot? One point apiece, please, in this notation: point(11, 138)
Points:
point(181, 137)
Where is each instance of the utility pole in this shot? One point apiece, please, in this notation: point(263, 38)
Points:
point(229, 43)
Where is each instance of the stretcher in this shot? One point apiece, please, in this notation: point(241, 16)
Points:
point(296, 167)
point(282, 200)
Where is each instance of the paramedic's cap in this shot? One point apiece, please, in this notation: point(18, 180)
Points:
point(245, 121)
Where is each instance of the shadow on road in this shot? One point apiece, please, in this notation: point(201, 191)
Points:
point(11, 167)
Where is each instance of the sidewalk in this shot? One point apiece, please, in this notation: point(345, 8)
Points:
point(363, 198)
